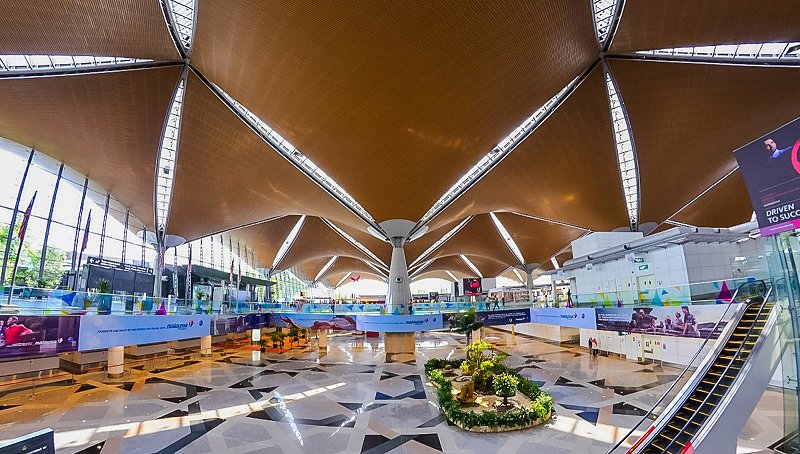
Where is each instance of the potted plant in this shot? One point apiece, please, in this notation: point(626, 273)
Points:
point(505, 386)
point(303, 334)
point(263, 344)
point(276, 339)
point(200, 296)
point(103, 297)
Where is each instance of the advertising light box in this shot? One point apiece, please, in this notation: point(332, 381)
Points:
point(399, 323)
point(566, 317)
point(24, 336)
point(99, 332)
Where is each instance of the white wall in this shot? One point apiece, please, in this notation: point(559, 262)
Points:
point(674, 350)
point(599, 241)
point(549, 332)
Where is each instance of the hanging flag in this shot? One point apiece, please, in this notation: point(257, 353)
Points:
point(239, 278)
point(230, 276)
point(24, 225)
point(188, 289)
point(86, 232)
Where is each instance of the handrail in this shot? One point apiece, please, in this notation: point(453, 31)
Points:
point(722, 375)
point(685, 369)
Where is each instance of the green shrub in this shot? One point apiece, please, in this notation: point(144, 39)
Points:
point(505, 384)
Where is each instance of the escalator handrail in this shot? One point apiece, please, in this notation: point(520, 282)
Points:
point(683, 372)
point(722, 375)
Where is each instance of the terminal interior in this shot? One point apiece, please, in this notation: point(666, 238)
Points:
point(410, 227)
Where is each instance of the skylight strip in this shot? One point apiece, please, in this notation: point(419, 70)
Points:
point(471, 266)
point(442, 240)
point(519, 276)
point(698, 196)
point(168, 155)
point(287, 243)
point(354, 242)
point(512, 245)
point(27, 63)
point(422, 267)
point(742, 53)
point(626, 150)
point(182, 13)
point(455, 279)
point(325, 268)
point(377, 270)
point(554, 262)
point(552, 221)
point(604, 13)
point(299, 159)
point(497, 153)
point(343, 279)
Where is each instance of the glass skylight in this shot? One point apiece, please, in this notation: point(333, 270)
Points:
point(519, 276)
point(300, 160)
point(441, 240)
point(734, 52)
point(354, 242)
point(552, 221)
point(165, 173)
point(183, 13)
point(377, 270)
point(471, 266)
point(452, 276)
point(287, 243)
point(23, 63)
point(604, 12)
point(325, 268)
point(507, 238)
point(554, 262)
point(421, 267)
point(626, 153)
point(497, 153)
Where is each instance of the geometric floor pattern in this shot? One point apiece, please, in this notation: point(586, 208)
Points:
point(347, 399)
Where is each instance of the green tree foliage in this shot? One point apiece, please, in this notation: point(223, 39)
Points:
point(29, 262)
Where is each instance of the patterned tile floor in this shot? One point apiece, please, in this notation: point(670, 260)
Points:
point(348, 399)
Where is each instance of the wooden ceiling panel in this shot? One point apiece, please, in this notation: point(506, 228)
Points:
point(378, 247)
point(686, 23)
point(438, 275)
point(344, 265)
point(411, 94)
point(538, 240)
point(415, 248)
point(100, 28)
point(453, 264)
point(106, 126)
point(566, 170)
point(687, 119)
point(316, 239)
point(227, 176)
point(725, 205)
point(488, 266)
point(311, 267)
point(478, 238)
point(265, 239)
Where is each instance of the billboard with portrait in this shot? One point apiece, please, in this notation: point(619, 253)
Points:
point(680, 321)
point(314, 321)
point(37, 335)
point(770, 166)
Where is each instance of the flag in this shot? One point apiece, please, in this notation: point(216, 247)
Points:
point(230, 276)
point(86, 232)
point(24, 225)
point(239, 278)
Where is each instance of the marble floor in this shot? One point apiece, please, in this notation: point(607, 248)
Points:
point(347, 399)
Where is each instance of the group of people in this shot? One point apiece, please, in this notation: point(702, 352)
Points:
point(594, 350)
point(493, 302)
point(684, 323)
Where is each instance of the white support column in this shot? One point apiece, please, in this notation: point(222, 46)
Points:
point(116, 362)
point(323, 339)
point(399, 288)
point(205, 346)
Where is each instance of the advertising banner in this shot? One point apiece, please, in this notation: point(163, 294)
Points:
point(399, 323)
point(472, 286)
point(568, 317)
point(116, 331)
point(505, 317)
point(683, 321)
point(771, 170)
point(314, 321)
point(37, 335)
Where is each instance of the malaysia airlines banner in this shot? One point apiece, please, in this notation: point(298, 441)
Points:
point(399, 323)
point(98, 332)
point(568, 317)
point(771, 169)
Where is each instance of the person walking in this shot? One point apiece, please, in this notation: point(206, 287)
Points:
point(591, 347)
point(595, 350)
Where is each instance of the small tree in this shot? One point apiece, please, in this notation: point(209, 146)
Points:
point(467, 323)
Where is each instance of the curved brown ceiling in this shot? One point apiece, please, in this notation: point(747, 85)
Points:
point(309, 268)
point(724, 205)
point(438, 275)
point(452, 263)
point(119, 28)
point(421, 244)
point(687, 119)
point(316, 239)
point(479, 237)
point(537, 240)
point(381, 87)
point(378, 247)
point(344, 265)
point(566, 170)
point(266, 238)
point(678, 23)
point(219, 152)
point(488, 266)
point(106, 126)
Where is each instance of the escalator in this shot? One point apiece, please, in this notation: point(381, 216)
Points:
point(732, 377)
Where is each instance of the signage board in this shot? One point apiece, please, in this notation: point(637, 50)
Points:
point(504, 317)
point(643, 267)
point(472, 286)
point(24, 336)
point(39, 442)
point(566, 317)
point(314, 321)
point(399, 323)
point(663, 320)
point(120, 330)
point(106, 263)
point(771, 169)
point(638, 260)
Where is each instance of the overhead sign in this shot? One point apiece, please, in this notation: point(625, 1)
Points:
point(106, 263)
point(638, 260)
point(771, 169)
point(120, 330)
point(568, 317)
point(643, 267)
point(399, 323)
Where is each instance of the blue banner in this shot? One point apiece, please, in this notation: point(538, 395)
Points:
point(399, 323)
point(567, 317)
point(119, 330)
point(505, 317)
